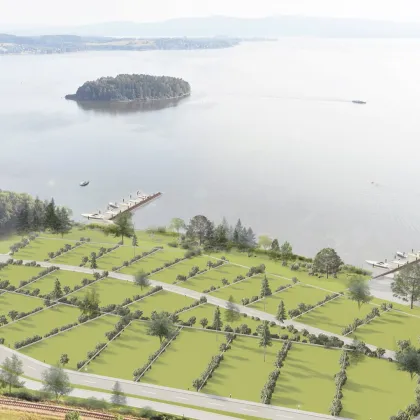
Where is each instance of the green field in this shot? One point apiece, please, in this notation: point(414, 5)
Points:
point(16, 273)
point(94, 235)
point(168, 275)
point(335, 315)
point(161, 301)
point(117, 257)
point(243, 371)
point(7, 241)
point(376, 389)
point(306, 379)
point(390, 327)
point(301, 293)
point(74, 257)
point(66, 278)
point(75, 343)
point(38, 249)
point(153, 261)
point(249, 287)
point(112, 291)
point(126, 353)
point(213, 277)
point(39, 323)
point(15, 302)
point(183, 361)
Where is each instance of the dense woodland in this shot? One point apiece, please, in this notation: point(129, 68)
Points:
point(126, 87)
point(23, 214)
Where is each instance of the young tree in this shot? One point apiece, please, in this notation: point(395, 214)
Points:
point(265, 289)
point(199, 228)
point(38, 215)
point(13, 315)
point(93, 263)
point(161, 326)
point(204, 322)
point(406, 284)
point(57, 293)
point(64, 359)
point(220, 236)
point(239, 233)
point(264, 242)
point(123, 226)
point(275, 246)
point(23, 220)
point(359, 291)
point(250, 238)
point(217, 320)
point(409, 361)
point(265, 336)
point(118, 396)
point(51, 220)
point(90, 303)
point(177, 224)
point(10, 372)
point(64, 223)
point(140, 279)
point(56, 381)
point(286, 251)
point(231, 314)
point(135, 243)
point(281, 312)
point(327, 261)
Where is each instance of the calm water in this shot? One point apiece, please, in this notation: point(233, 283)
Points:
point(269, 135)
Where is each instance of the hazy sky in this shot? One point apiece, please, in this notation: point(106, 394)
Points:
point(75, 12)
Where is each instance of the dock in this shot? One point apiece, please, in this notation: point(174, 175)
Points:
point(386, 268)
point(130, 204)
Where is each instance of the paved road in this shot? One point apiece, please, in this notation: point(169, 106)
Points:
point(34, 368)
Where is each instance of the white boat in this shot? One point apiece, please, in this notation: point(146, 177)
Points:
point(379, 264)
point(113, 205)
point(96, 216)
point(402, 254)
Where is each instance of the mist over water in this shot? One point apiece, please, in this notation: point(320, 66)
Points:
point(269, 135)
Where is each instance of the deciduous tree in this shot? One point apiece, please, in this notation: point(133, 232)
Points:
point(265, 241)
point(406, 284)
point(204, 322)
point(64, 359)
point(118, 396)
point(409, 361)
point(90, 303)
point(359, 291)
point(140, 279)
point(122, 227)
point(231, 314)
point(161, 326)
point(56, 381)
point(177, 224)
point(327, 261)
point(199, 228)
point(10, 372)
point(286, 251)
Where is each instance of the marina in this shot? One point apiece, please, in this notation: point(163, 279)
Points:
point(386, 268)
point(130, 204)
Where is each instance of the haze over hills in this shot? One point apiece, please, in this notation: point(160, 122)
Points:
point(274, 26)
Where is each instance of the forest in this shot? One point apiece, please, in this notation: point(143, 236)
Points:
point(126, 87)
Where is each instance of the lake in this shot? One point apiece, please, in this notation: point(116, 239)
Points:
point(269, 135)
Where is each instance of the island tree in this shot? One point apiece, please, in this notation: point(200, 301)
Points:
point(161, 326)
point(327, 261)
point(231, 314)
point(406, 284)
point(359, 291)
point(56, 381)
point(122, 227)
point(140, 279)
point(10, 372)
point(265, 336)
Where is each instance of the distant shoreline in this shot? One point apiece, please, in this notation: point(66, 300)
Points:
point(73, 97)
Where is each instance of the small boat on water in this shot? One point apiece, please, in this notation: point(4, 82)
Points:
point(359, 102)
point(379, 264)
point(402, 254)
point(84, 183)
point(113, 205)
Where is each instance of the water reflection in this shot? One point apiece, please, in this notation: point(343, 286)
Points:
point(116, 108)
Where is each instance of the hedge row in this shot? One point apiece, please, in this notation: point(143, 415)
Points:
point(102, 251)
point(201, 301)
point(23, 314)
point(66, 248)
point(302, 307)
point(358, 322)
point(26, 341)
point(340, 379)
point(412, 410)
point(269, 386)
point(57, 330)
point(195, 271)
point(43, 273)
point(24, 242)
point(136, 258)
point(138, 373)
point(256, 270)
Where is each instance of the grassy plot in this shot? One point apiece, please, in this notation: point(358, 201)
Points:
point(66, 278)
point(75, 343)
point(153, 261)
point(168, 275)
point(375, 389)
point(39, 323)
point(15, 302)
point(7, 241)
point(16, 273)
point(182, 359)
point(119, 256)
point(390, 327)
point(95, 235)
point(38, 249)
point(126, 353)
point(214, 277)
point(335, 315)
point(301, 293)
point(306, 380)
point(112, 291)
point(74, 257)
point(243, 371)
point(161, 301)
point(249, 287)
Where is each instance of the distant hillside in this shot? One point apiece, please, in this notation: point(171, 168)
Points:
point(275, 26)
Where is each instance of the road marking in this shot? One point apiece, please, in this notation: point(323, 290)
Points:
point(220, 405)
point(181, 398)
point(148, 392)
point(246, 409)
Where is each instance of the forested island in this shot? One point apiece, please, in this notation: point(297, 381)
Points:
point(132, 87)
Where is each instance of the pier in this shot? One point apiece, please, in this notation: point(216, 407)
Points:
point(387, 268)
point(130, 204)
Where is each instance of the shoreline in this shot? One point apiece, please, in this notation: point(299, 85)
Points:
point(72, 97)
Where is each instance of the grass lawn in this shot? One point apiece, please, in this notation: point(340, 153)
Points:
point(168, 275)
point(16, 302)
point(117, 257)
point(376, 389)
point(161, 301)
point(301, 293)
point(390, 327)
point(66, 278)
point(39, 323)
point(74, 257)
point(307, 379)
point(38, 249)
point(94, 235)
point(16, 273)
point(243, 371)
point(112, 291)
point(182, 363)
point(400, 306)
point(128, 352)
point(249, 287)
point(214, 277)
point(153, 261)
point(76, 342)
point(335, 315)
point(7, 241)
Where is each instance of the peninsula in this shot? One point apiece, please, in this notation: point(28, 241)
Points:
point(132, 87)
